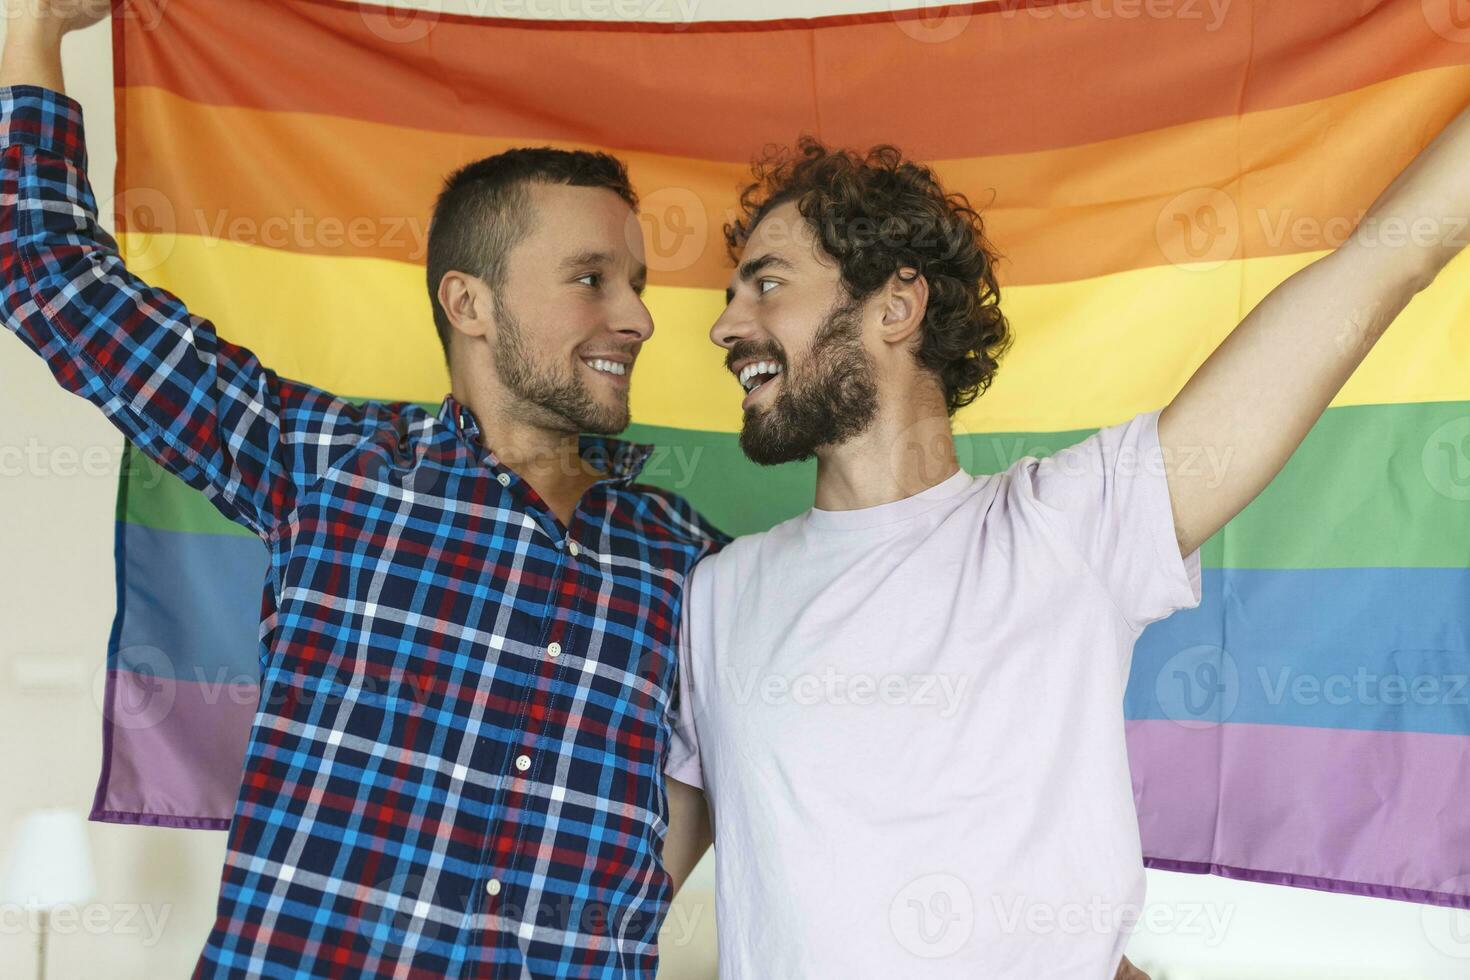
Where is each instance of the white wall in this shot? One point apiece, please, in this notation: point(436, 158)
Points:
point(156, 888)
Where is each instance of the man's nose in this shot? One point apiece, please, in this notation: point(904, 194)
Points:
point(731, 327)
point(636, 323)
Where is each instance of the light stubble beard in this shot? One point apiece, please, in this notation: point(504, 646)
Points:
point(566, 397)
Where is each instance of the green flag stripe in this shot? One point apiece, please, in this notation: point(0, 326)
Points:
point(1372, 485)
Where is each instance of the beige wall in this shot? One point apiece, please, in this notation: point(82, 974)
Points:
point(156, 888)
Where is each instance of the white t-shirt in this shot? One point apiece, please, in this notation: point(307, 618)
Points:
point(908, 720)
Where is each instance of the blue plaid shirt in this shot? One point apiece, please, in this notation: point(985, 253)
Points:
point(455, 769)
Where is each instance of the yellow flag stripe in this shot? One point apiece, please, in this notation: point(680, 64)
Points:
point(1087, 353)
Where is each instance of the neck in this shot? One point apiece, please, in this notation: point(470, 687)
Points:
point(908, 449)
point(548, 459)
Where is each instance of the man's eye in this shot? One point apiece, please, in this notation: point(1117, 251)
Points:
point(762, 283)
point(593, 276)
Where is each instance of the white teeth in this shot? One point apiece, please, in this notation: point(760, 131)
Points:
point(608, 367)
point(759, 367)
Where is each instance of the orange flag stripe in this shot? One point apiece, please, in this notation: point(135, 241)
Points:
point(1057, 215)
point(718, 91)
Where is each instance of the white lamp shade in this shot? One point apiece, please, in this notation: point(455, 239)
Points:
point(49, 862)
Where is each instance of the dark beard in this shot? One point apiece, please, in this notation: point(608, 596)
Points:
point(565, 397)
point(838, 400)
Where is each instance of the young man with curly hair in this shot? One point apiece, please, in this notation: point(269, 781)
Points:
point(905, 706)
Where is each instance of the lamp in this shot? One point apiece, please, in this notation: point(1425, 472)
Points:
point(49, 864)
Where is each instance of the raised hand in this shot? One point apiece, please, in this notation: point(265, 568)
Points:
point(33, 33)
point(56, 16)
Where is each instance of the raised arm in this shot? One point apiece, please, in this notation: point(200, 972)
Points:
point(1254, 399)
point(203, 408)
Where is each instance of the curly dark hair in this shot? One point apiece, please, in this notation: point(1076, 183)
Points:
point(876, 213)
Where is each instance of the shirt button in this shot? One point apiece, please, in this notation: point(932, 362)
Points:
point(523, 762)
point(503, 479)
point(493, 886)
point(573, 549)
point(554, 650)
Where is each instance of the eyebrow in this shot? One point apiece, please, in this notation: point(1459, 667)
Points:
point(751, 268)
point(603, 259)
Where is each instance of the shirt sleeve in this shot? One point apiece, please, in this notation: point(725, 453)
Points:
point(683, 761)
point(1109, 494)
point(204, 409)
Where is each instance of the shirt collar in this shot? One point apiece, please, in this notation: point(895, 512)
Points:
point(620, 459)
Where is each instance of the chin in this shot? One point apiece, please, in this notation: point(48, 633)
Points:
point(608, 423)
point(764, 449)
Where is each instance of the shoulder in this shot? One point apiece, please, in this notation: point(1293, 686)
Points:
point(739, 557)
point(403, 429)
point(1084, 466)
point(323, 431)
point(313, 408)
point(665, 515)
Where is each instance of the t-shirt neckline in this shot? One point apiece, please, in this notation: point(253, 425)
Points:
point(893, 511)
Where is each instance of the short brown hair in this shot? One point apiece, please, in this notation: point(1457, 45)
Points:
point(484, 210)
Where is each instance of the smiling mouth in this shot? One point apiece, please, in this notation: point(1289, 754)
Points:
point(753, 376)
point(614, 369)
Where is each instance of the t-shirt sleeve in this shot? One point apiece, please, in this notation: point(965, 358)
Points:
point(1110, 495)
point(683, 759)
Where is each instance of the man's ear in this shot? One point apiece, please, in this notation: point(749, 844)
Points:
point(467, 303)
point(905, 300)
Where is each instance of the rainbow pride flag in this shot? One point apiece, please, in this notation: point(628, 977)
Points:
point(1150, 172)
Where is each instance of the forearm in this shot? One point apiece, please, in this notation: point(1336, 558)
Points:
point(205, 410)
point(1422, 219)
point(1299, 346)
point(32, 53)
point(1253, 400)
point(689, 834)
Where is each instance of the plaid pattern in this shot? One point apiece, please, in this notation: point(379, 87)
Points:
point(455, 767)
